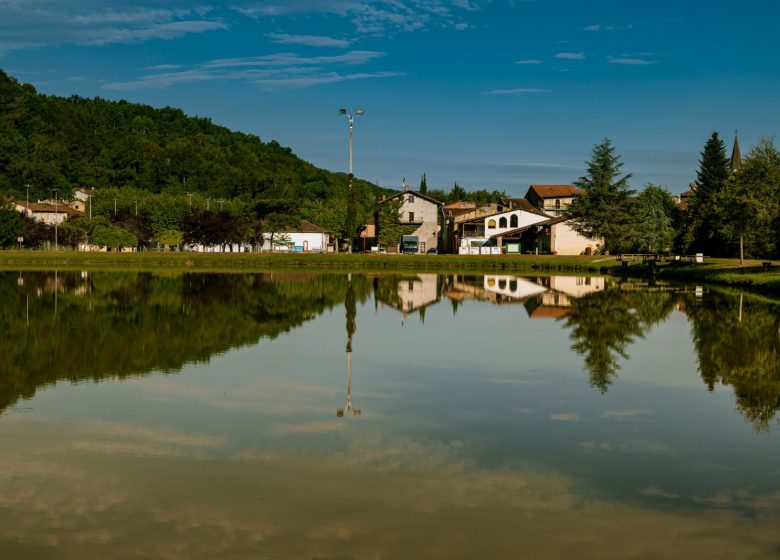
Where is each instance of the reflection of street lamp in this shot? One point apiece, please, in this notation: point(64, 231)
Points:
point(350, 226)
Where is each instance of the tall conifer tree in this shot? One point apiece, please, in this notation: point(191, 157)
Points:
point(604, 210)
point(702, 227)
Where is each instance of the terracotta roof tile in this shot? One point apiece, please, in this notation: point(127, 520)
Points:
point(554, 191)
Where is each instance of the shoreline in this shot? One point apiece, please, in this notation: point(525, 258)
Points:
point(725, 272)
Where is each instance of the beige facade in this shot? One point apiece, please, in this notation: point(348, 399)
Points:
point(566, 241)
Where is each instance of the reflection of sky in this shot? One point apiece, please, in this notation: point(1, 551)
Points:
point(479, 435)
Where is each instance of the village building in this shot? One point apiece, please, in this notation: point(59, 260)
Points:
point(47, 212)
point(551, 199)
point(303, 237)
point(417, 210)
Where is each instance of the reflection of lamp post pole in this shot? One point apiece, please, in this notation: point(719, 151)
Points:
point(350, 306)
point(349, 223)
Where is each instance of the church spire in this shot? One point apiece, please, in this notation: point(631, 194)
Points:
point(736, 158)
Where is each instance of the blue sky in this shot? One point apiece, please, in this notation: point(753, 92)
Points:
point(493, 94)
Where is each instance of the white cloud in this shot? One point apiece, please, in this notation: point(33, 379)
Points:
point(570, 55)
point(37, 23)
point(308, 40)
point(529, 61)
point(627, 61)
point(516, 91)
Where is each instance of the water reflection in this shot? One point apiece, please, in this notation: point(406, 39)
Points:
point(76, 326)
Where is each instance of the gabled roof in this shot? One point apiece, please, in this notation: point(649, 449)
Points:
point(415, 193)
point(553, 191)
point(42, 207)
point(524, 204)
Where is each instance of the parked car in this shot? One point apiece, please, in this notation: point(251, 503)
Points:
point(432, 251)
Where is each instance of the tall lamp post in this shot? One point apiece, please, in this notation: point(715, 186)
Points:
point(350, 221)
point(55, 193)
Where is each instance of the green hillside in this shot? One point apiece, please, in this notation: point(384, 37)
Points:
point(51, 142)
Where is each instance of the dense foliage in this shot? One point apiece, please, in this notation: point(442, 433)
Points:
point(50, 142)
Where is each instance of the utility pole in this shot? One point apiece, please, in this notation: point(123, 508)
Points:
point(350, 219)
point(56, 221)
point(136, 207)
point(114, 206)
point(189, 195)
point(27, 210)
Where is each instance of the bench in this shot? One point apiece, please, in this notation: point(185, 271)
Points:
point(767, 264)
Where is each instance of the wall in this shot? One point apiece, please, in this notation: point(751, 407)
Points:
point(427, 214)
point(523, 219)
point(566, 241)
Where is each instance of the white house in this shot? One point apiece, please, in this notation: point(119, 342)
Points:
point(479, 232)
point(47, 213)
point(419, 210)
point(304, 237)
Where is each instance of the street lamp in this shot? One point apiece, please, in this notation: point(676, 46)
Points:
point(55, 192)
point(350, 226)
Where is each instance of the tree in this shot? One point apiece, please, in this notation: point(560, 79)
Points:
point(653, 215)
point(169, 238)
point(423, 184)
point(11, 226)
point(389, 228)
point(604, 210)
point(275, 224)
point(113, 237)
point(456, 193)
point(748, 205)
point(701, 229)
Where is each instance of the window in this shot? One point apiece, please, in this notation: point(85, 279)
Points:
point(411, 285)
point(502, 284)
point(491, 224)
point(411, 217)
point(502, 223)
point(513, 221)
point(557, 202)
point(411, 198)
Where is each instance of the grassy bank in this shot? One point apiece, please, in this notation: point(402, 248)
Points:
point(725, 272)
point(15, 260)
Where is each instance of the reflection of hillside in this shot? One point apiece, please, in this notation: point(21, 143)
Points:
point(738, 344)
point(120, 324)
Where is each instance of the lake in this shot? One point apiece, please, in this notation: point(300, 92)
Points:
point(336, 416)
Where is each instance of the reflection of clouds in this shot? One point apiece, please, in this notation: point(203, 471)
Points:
point(626, 414)
point(565, 417)
point(270, 396)
point(633, 447)
point(381, 498)
point(516, 382)
point(304, 428)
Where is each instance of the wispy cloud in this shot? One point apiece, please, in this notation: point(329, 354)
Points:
point(50, 22)
point(529, 61)
point(371, 17)
point(612, 27)
point(308, 40)
point(570, 55)
point(275, 71)
point(516, 91)
point(630, 61)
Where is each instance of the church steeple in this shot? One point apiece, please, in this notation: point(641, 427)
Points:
point(736, 158)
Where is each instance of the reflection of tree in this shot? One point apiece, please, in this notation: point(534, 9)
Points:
point(738, 344)
point(122, 324)
point(604, 323)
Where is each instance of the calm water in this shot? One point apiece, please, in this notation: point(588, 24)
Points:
point(334, 417)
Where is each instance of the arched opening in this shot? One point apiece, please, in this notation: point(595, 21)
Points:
point(502, 284)
point(502, 223)
point(491, 224)
point(513, 221)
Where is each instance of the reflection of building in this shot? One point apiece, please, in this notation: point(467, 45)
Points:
point(493, 288)
point(556, 302)
point(413, 293)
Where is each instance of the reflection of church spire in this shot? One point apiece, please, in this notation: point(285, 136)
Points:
point(736, 157)
point(351, 311)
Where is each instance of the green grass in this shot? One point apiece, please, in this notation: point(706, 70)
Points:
point(726, 272)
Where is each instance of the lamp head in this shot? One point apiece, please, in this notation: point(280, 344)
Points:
point(342, 112)
point(360, 112)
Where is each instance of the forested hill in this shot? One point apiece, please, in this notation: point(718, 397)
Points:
point(53, 142)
